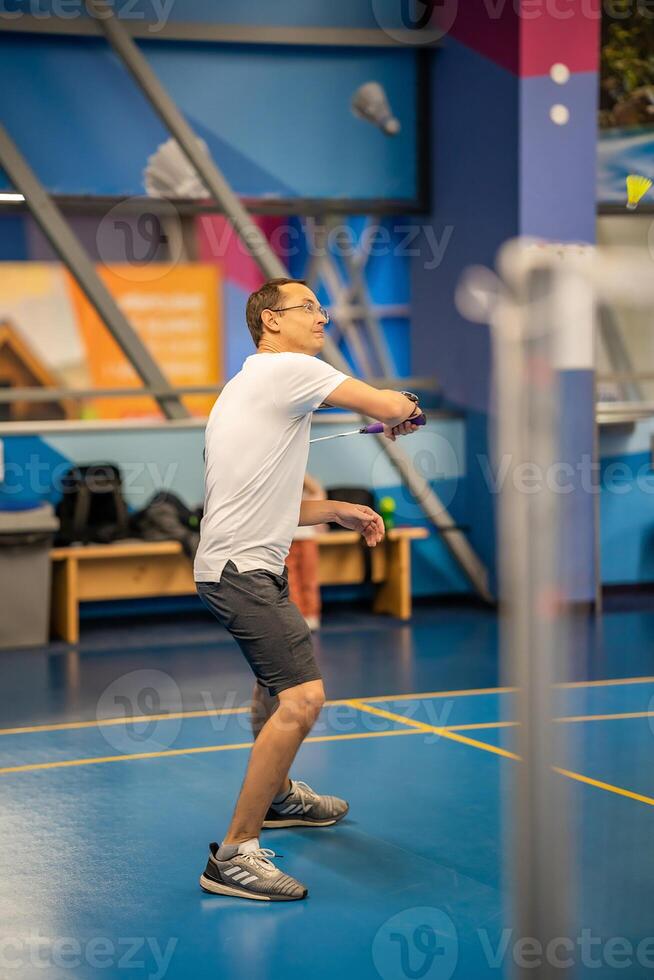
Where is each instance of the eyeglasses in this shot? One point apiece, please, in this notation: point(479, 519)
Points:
point(309, 307)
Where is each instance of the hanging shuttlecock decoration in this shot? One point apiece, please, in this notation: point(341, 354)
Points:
point(637, 187)
point(369, 102)
point(169, 173)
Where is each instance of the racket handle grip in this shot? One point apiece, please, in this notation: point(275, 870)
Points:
point(376, 427)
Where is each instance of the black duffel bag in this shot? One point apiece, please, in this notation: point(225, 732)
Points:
point(167, 518)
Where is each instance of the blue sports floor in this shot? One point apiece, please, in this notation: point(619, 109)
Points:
point(106, 814)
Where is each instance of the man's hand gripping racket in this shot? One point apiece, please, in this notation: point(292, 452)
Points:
point(363, 519)
point(391, 432)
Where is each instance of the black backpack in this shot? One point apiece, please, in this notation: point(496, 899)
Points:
point(92, 507)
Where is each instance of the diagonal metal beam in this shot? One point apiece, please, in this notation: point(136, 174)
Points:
point(58, 232)
point(355, 265)
point(248, 231)
point(138, 67)
point(327, 270)
point(429, 501)
point(436, 511)
point(271, 266)
point(616, 349)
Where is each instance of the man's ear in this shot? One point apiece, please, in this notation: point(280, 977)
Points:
point(269, 320)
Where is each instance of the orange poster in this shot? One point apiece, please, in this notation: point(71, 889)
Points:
point(177, 315)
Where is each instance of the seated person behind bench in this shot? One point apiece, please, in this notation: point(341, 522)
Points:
point(303, 561)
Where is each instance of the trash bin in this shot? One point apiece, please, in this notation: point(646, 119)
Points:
point(25, 540)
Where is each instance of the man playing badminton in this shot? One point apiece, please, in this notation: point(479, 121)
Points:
point(256, 451)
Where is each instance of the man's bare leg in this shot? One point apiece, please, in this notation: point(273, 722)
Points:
point(275, 747)
point(264, 706)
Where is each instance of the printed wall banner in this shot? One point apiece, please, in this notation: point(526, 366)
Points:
point(178, 316)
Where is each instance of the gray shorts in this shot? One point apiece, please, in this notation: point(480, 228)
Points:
point(270, 630)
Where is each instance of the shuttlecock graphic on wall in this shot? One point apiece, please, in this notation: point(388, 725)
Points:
point(170, 174)
point(637, 187)
point(369, 102)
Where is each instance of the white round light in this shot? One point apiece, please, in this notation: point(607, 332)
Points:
point(559, 114)
point(560, 73)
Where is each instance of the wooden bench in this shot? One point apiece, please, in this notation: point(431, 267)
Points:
point(140, 569)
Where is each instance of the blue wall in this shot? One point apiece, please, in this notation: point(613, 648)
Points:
point(13, 238)
point(475, 109)
point(276, 120)
point(387, 281)
point(627, 504)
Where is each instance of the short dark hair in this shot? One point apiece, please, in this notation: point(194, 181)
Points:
point(267, 297)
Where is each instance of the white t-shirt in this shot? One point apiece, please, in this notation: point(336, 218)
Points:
point(256, 451)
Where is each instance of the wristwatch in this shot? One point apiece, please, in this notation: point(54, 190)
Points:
point(412, 398)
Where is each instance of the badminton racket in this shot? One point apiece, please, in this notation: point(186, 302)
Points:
point(373, 429)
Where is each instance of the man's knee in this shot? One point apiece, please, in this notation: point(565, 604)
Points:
point(304, 701)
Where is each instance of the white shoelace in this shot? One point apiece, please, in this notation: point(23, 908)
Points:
point(260, 858)
point(306, 795)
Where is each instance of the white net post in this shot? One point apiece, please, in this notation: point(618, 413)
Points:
point(532, 348)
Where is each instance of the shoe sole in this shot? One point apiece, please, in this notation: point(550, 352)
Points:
point(296, 822)
point(215, 888)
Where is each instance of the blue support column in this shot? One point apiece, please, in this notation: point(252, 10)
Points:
point(503, 166)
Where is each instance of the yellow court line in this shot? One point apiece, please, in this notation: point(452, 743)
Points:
point(198, 750)
point(615, 717)
point(617, 682)
point(475, 691)
point(390, 715)
point(432, 729)
point(135, 719)
point(214, 712)
point(609, 787)
point(445, 733)
point(495, 749)
point(413, 728)
point(478, 726)
point(567, 719)
point(467, 693)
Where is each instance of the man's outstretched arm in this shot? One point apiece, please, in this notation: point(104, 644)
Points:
point(392, 408)
point(352, 516)
point(316, 512)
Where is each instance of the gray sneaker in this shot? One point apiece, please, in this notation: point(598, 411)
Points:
point(250, 874)
point(303, 807)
